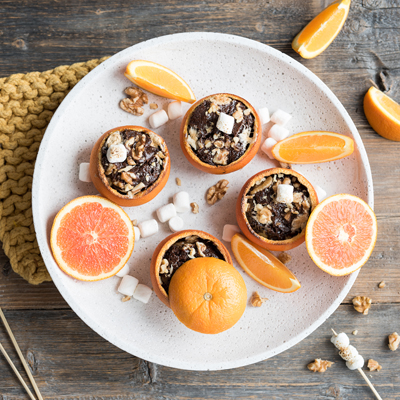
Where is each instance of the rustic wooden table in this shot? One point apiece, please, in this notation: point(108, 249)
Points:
point(69, 360)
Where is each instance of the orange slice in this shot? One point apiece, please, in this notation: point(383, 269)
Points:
point(313, 147)
point(341, 234)
point(322, 30)
point(159, 80)
point(91, 238)
point(262, 266)
point(383, 114)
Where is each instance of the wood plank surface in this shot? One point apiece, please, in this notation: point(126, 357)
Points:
point(69, 360)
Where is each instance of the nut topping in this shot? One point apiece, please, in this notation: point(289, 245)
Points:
point(133, 104)
point(319, 365)
point(362, 304)
point(257, 300)
point(195, 208)
point(284, 258)
point(217, 192)
point(373, 365)
point(394, 341)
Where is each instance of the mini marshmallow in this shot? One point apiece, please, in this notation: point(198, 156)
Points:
point(341, 341)
point(280, 117)
point(182, 202)
point(137, 233)
point(225, 123)
point(84, 172)
point(267, 147)
point(321, 194)
point(349, 353)
point(148, 228)
point(124, 271)
point(175, 224)
point(117, 153)
point(174, 110)
point(358, 362)
point(284, 194)
point(158, 118)
point(229, 231)
point(263, 113)
point(165, 213)
point(278, 133)
point(142, 293)
point(128, 285)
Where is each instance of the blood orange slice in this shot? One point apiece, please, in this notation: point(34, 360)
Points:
point(91, 238)
point(341, 234)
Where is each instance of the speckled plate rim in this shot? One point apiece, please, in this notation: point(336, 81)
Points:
point(42, 238)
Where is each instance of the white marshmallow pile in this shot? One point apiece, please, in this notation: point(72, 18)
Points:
point(263, 113)
point(117, 153)
point(84, 172)
point(175, 224)
point(182, 202)
point(225, 123)
point(229, 231)
point(174, 110)
point(267, 147)
point(165, 213)
point(278, 133)
point(348, 352)
point(284, 193)
point(148, 228)
point(158, 118)
point(280, 117)
point(130, 286)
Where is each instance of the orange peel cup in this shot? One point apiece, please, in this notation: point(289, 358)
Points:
point(162, 248)
point(274, 245)
point(100, 181)
point(222, 169)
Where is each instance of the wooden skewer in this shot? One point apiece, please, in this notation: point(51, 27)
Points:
point(16, 372)
point(24, 363)
point(371, 386)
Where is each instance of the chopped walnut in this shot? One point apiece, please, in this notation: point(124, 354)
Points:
point(195, 208)
point(285, 165)
point(257, 300)
point(201, 248)
point(114, 138)
point(164, 266)
point(134, 222)
point(110, 169)
point(284, 258)
point(362, 304)
point(129, 106)
point(394, 341)
point(217, 192)
point(153, 106)
point(319, 365)
point(238, 114)
point(178, 181)
point(299, 222)
point(137, 151)
point(373, 365)
point(382, 285)
point(264, 214)
point(355, 332)
point(127, 178)
point(263, 185)
point(125, 298)
point(221, 157)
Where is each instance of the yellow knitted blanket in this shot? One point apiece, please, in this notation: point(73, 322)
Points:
point(27, 103)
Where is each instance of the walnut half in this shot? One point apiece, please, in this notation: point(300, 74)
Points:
point(373, 365)
point(319, 365)
point(217, 192)
point(362, 304)
point(257, 300)
point(394, 341)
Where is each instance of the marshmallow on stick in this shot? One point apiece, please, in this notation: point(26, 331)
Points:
point(349, 353)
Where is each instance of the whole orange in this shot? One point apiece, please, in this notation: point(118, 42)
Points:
point(207, 295)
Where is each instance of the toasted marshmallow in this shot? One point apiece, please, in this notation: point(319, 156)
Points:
point(349, 353)
point(117, 153)
point(84, 172)
point(358, 362)
point(225, 123)
point(341, 341)
point(284, 194)
point(267, 147)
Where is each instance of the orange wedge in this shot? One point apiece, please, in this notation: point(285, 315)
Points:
point(341, 234)
point(322, 30)
point(159, 80)
point(313, 147)
point(383, 114)
point(262, 266)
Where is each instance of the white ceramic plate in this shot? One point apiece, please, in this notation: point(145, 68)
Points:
point(211, 63)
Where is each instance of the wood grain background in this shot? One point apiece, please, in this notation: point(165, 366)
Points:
point(69, 360)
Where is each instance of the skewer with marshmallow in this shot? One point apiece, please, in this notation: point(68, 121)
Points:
point(354, 360)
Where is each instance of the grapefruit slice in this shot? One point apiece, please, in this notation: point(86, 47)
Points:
point(313, 147)
point(262, 266)
point(318, 34)
point(341, 234)
point(159, 80)
point(383, 114)
point(91, 238)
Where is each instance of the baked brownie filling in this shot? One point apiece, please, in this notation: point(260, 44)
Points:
point(213, 146)
point(143, 165)
point(273, 220)
point(184, 250)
